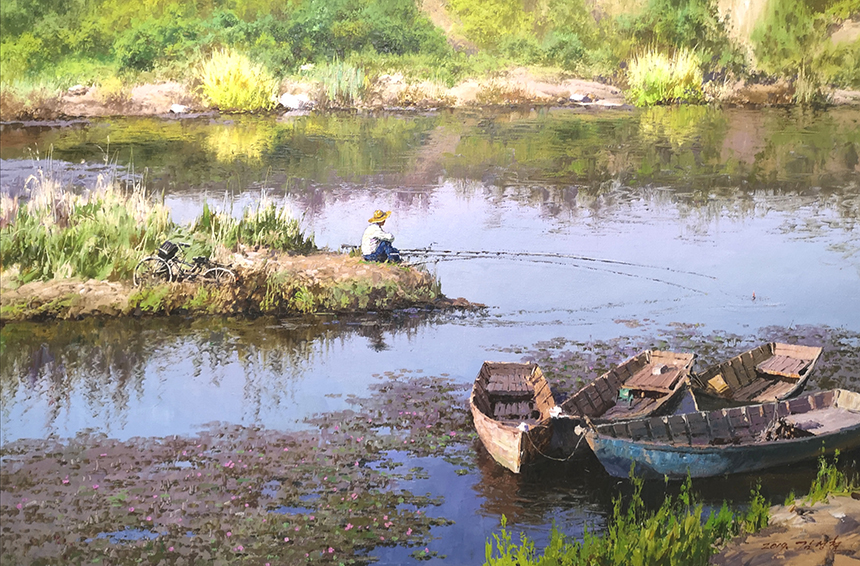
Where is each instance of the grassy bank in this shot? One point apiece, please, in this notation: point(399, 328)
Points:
point(66, 255)
point(345, 48)
point(677, 533)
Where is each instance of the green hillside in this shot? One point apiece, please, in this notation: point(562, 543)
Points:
point(48, 44)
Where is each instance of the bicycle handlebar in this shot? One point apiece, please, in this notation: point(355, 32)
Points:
point(183, 244)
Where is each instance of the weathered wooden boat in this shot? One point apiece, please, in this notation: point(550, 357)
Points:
point(641, 386)
point(511, 405)
point(732, 440)
point(771, 372)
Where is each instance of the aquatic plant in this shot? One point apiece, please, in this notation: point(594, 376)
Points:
point(657, 78)
point(231, 82)
point(265, 224)
point(674, 534)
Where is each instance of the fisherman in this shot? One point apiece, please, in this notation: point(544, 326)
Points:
point(376, 243)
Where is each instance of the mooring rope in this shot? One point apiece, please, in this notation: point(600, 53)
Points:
point(572, 454)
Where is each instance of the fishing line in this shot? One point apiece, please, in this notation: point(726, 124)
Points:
point(588, 267)
point(479, 253)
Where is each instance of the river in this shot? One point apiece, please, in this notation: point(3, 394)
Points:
point(680, 227)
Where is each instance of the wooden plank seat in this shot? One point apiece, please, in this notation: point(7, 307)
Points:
point(512, 411)
point(657, 378)
point(783, 366)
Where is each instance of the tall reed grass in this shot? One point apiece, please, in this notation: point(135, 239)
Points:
point(233, 83)
point(342, 85)
point(98, 234)
point(658, 78)
point(105, 231)
point(265, 225)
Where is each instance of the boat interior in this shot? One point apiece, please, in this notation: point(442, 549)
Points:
point(631, 389)
point(513, 393)
point(815, 414)
point(768, 372)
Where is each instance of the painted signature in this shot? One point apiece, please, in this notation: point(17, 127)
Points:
point(802, 545)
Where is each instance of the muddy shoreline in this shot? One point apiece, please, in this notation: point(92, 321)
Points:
point(514, 88)
point(269, 283)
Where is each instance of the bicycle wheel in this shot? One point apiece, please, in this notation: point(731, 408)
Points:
point(219, 276)
point(152, 271)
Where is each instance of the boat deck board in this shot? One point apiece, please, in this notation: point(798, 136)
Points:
point(825, 421)
point(651, 378)
point(783, 366)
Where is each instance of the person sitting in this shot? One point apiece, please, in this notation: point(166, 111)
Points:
point(376, 243)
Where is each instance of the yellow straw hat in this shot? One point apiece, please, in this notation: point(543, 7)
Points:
point(379, 216)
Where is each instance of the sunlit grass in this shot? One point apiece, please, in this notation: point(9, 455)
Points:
point(658, 78)
point(231, 82)
point(98, 234)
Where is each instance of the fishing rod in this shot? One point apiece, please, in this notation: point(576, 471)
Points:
point(466, 254)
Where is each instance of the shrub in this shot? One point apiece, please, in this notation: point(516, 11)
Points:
point(656, 78)
point(232, 83)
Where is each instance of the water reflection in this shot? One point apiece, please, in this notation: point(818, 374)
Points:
point(695, 150)
point(111, 374)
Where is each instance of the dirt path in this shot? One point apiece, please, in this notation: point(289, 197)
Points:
point(802, 535)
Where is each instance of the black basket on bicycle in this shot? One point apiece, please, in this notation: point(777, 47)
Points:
point(167, 250)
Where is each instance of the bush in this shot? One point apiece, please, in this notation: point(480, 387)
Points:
point(656, 78)
point(232, 83)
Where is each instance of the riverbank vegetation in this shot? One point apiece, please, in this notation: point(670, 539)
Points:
point(677, 533)
point(48, 46)
point(65, 254)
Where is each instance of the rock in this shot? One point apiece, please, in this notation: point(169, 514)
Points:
point(179, 109)
point(581, 98)
point(295, 101)
point(78, 90)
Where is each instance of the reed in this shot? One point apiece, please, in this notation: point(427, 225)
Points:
point(830, 481)
point(103, 233)
point(233, 83)
point(266, 225)
point(98, 234)
point(342, 85)
point(657, 78)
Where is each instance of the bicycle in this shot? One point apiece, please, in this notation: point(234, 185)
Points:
point(169, 265)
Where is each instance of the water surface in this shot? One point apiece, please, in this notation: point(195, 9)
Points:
point(685, 227)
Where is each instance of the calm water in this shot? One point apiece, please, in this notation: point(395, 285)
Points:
point(696, 210)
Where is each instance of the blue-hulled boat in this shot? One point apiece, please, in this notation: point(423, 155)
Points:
point(728, 441)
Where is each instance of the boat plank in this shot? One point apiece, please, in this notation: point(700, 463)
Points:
point(738, 368)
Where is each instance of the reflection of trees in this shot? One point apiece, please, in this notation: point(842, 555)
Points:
point(528, 157)
point(107, 362)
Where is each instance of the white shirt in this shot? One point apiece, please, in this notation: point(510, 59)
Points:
point(371, 238)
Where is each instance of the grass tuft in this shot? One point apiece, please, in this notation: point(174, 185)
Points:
point(657, 78)
point(233, 83)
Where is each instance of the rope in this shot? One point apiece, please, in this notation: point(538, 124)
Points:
point(575, 448)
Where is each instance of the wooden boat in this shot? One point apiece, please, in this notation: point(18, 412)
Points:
point(511, 405)
point(771, 372)
point(732, 440)
point(641, 386)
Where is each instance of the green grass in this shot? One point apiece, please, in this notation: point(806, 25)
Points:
point(104, 233)
point(231, 82)
point(677, 533)
point(830, 481)
point(658, 78)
